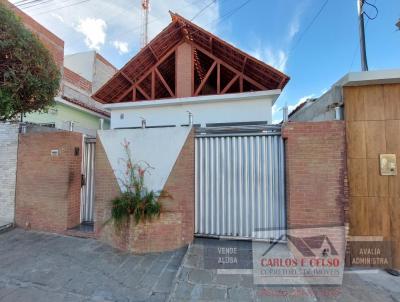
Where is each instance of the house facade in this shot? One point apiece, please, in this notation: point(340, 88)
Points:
point(75, 110)
point(186, 74)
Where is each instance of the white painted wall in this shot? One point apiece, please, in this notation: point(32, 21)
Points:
point(8, 171)
point(159, 147)
point(81, 63)
point(243, 107)
point(102, 73)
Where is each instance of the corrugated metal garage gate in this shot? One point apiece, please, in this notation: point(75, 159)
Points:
point(240, 182)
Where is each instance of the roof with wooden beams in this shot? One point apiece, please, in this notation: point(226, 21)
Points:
point(218, 68)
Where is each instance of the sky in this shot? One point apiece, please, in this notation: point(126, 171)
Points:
point(315, 42)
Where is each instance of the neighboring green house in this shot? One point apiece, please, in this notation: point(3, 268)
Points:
point(82, 75)
point(75, 110)
point(64, 112)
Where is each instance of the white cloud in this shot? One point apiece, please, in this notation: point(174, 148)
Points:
point(121, 46)
point(278, 56)
point(94, 31)
point(302, 100)
point(58, 17)
point(294, 27)
point(122, 19)
point(275, 109)
point(277, 59)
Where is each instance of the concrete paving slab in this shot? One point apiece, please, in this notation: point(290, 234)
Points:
point(195, 282)
point(46, 267)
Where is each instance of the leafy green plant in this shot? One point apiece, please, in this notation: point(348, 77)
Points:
point(29, 78)
point(136, 201)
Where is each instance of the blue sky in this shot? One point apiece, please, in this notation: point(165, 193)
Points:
point(275, 31)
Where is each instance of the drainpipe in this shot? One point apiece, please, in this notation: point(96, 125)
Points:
point(23, 128)
point(285, 111)
point(190, 118)
point(143, 123)
point(71, 126)
point(338, 113)
point(101, 124)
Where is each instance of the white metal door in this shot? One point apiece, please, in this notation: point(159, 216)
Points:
point(87, 189)
point(240, 185)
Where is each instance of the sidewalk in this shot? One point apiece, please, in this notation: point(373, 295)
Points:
point(195, 283)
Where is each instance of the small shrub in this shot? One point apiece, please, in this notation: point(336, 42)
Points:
point(136, 201)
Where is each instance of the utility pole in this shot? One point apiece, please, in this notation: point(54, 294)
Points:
point(364, 63)
point(145, 23)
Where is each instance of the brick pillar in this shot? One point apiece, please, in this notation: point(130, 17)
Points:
point(184, 71)
point(316, 180)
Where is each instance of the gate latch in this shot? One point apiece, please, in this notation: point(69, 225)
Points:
point(83, 180)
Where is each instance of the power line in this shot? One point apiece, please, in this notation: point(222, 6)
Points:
point(203, 9)
point(309, 26)
point(217, 20)
point(33, 4)
point(373, 6)
point(153, 21)
point(355, 49)
point(62, 7)
point(25, 2)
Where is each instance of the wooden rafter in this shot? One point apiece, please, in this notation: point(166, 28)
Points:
point(153, 52)
point(254, 74)
point(121, 97)
point(229, 85)
point(218, 78)
point(244, 64)
point(152, 71)
point(164, 82)
point(143, 92)
point(206, 77)
point(235, 71)
point(153, 85)
point(126, 77)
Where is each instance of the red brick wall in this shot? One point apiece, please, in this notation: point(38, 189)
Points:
point(106, 189)
point(316, 180)
point(53, 43)
point(76, 80)
point(175, 226)
point(184, 70)
point(48, 187)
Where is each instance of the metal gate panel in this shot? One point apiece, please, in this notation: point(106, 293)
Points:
point(87, 190)
point(240, 186)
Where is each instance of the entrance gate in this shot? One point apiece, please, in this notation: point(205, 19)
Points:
point(87, 190)
point(240, 182)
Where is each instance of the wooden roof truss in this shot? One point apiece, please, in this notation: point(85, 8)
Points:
point(218, 68)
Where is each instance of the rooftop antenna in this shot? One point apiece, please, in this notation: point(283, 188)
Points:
point(364, 63)
point(145, 23)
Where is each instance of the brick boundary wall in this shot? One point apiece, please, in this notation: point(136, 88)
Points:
point(8, 171)
point(175, 226)
point(48, 186)
point(316, 178)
